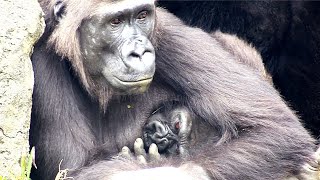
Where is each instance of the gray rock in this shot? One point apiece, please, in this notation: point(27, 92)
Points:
point(21, 25)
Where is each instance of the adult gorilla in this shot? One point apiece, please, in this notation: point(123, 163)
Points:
point(97, 56)
point(287, 34)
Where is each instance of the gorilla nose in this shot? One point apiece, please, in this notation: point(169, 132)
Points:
point(138, 53)
point(139, 58)
point(158, 128)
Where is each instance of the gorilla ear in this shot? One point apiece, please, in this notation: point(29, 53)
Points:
point(58, 10)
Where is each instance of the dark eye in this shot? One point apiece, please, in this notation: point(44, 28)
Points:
point(177, 125)
point(115, 21)
point(142, 15)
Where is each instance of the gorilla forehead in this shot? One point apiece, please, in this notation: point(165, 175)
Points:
point(116, 6)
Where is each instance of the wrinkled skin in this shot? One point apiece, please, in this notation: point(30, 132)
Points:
point(116, 48)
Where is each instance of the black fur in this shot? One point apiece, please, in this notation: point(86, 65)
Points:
point(259, 136)
point(287, 34)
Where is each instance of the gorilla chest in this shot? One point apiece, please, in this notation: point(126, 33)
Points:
point(126, 116)
point(123, 124)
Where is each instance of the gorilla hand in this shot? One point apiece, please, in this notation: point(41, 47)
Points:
point(310, 170)
point(140, 153)
point(188, 171)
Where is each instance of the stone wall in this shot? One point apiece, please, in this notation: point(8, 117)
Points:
point(21, 25)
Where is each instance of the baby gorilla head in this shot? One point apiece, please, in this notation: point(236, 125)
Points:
point(170, 129)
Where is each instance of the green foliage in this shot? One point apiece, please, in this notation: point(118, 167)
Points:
point(25, 165)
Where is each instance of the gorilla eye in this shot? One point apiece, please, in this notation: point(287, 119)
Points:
point(177, 125)
point(115, 21)
point(142, 15)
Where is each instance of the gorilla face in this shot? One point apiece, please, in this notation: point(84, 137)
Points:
point(169, 128)
point(116, 48)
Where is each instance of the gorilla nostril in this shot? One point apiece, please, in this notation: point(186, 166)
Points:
point(138, 52)
point(135, 55)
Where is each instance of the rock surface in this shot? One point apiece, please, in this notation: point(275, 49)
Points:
point(21, 25)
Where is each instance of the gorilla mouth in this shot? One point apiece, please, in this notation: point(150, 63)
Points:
point(135, 82)
point(132, 86)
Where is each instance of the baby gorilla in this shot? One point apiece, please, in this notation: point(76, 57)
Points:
point(172, 129)
point(169, 127)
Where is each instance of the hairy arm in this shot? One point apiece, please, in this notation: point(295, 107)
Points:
point(140, 165)
point(261, 138)
point(57, 118)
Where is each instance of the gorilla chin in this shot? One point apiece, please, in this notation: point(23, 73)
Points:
point(122, 87)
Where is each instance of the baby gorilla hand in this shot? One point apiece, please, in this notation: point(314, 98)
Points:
point(140, 154)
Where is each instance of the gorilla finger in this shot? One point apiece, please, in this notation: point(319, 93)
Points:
point(308, 168)
point(141, 159)
point(154, 153)
point(126, 153)
point(139, 148)
point(309, 172)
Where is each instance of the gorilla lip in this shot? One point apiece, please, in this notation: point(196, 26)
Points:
point(141, 81)
point(133, 87)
